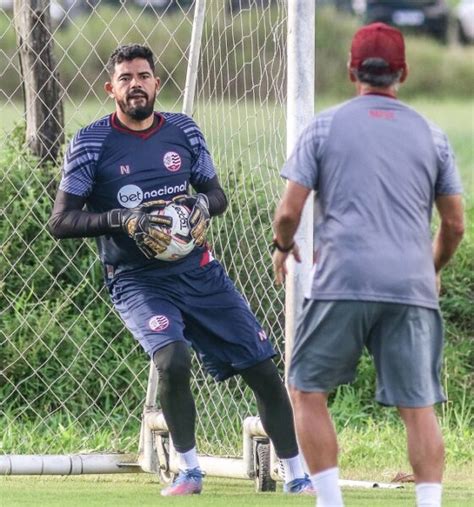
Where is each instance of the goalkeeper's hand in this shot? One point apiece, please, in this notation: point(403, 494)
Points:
point(145, 229)
point(199, 216)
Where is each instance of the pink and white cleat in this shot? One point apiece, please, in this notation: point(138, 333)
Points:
point(301, 486)
point(188, 482)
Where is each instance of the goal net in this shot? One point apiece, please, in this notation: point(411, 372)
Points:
point(72, 379)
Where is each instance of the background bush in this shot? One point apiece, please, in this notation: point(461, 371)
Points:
point(51, 312)
point(62, 303)
point(84, 45)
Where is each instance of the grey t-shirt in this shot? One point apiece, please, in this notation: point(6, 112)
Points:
point(376, 166)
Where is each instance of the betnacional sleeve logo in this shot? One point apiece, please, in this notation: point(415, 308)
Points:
point(172, 161)
point(158, 323)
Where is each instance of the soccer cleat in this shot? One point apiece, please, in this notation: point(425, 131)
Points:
point(300, 486)
point(188, 482)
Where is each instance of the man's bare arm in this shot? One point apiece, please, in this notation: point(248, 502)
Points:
point(450, 231)
point(288, 213)
point(287, 219)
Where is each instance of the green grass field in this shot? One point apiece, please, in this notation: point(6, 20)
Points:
point(131, 490)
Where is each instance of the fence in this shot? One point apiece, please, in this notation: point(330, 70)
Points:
point(71, 378)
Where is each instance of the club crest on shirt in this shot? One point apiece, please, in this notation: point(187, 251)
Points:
point(172, 161)
point(158, 323)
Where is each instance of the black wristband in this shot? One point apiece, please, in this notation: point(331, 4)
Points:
point(114, 219)
point(277, 246)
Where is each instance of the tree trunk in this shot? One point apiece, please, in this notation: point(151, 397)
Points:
point(41, 87)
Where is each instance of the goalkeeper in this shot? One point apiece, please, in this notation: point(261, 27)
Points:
point(117, 168)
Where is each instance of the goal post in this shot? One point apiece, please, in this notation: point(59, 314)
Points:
point(300, 110)
point(193, 58)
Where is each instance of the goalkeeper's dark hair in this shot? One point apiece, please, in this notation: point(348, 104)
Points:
point(376, 72)
point(129, 52)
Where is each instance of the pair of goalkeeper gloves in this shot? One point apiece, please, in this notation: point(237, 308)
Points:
point(149, 230)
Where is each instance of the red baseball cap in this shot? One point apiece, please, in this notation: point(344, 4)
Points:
point(378, 40)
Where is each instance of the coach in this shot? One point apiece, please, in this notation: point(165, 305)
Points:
point(377, 167)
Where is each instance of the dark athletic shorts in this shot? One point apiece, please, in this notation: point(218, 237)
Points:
point(405, 341)
point(201, 307)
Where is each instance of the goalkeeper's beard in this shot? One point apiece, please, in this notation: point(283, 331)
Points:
point(137, 113)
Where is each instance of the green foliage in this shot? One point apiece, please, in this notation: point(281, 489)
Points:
point(82, 48)
point(43, 351)
point(458, 282)
point(54, 321)
point(441, 71)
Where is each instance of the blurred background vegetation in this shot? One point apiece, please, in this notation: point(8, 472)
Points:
point(83, 45)
point(56, 286)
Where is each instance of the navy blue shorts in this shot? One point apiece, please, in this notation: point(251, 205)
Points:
point(201, 307)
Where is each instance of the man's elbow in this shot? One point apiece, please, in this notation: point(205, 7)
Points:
point(455, 227)
point(218, 203)
point(54, 226)
point(224, 204)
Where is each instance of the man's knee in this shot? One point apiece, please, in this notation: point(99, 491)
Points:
point(173, 362)
point(299, 398)
point(264, 379)
point(423, 427)
point(417, 415)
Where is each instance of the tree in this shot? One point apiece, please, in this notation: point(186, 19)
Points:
point(42, 90)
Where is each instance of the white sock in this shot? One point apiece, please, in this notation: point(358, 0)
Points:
point(292, 468)
point(428, 494)
point(326, 484)
point(188, 459)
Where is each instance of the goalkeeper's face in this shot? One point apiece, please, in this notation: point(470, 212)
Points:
point(134, 88)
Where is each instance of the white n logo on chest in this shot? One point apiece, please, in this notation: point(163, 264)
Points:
point(125, 169)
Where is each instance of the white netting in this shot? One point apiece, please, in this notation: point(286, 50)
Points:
point(71, 378)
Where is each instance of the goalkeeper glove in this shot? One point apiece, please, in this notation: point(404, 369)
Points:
point(199, 216)
point(145, 229)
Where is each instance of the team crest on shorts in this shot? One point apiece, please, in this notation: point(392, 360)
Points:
point(158, 323)
point(172, 161)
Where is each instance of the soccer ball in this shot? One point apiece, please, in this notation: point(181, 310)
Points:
point(181, 241)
